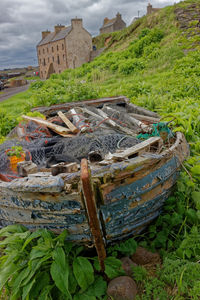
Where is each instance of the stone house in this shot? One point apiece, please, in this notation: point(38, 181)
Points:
point(150, 9)
point(66, 47)
point(115, 24)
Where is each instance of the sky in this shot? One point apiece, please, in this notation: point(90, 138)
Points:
point(22, 21)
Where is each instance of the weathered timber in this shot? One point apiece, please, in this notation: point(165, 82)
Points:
point(135, 150)
point(25, 168)
point(95, 227)
point(64, 168)
point(69, 124)
point(115, 125)
point(52, 110)
point(145, 118)
point(129, 118)
point(57, 128)
point(132, 108)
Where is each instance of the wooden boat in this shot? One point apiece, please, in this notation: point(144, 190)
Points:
point(102, 202)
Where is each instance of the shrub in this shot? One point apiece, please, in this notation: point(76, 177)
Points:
point(130, 66)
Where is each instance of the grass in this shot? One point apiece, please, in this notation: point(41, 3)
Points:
point(147, 63)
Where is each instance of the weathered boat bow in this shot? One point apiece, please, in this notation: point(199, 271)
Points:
point(125, 192)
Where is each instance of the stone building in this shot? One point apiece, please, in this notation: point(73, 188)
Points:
point(115, 24)
point(150, 9)
point(66, 47)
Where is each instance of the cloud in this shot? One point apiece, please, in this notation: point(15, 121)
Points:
point(22, 21)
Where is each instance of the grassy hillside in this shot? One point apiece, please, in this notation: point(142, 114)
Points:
point(156, 63)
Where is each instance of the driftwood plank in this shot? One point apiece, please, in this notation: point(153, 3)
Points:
point(57, 128)
point(67, 122)
point(52, 110)
point(129, 118)
point(145, 118)
point(115, 125)
point(132, 108)
point(137, 149)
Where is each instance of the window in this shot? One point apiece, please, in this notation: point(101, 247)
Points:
point(47, 50)
point(39, 52)
point(63, 56)
point(48, 59)
point(52, 58)
point(57, 48)
point(40, 61)
point(41, 73)
point(59, 71)
point(44, 62)
point(52, 49)
point(62, 46)
point(43, 50)
point(58, 60)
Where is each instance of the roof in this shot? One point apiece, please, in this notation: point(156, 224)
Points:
point(52, 37)
point(109, 22)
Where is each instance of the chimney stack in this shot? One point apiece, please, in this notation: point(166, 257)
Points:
point(119, 16)
point(76, 23)
point(58, 28)
point(149, 9)
point(45, 33)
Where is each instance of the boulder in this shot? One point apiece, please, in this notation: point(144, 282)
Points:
point(127, 265)
point(143, 257)
point(122, 288)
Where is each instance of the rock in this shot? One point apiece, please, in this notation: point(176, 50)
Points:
point(128, 265)
point(143, 257)
point(122, 288)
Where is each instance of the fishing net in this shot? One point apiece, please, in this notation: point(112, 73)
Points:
point(44, 147)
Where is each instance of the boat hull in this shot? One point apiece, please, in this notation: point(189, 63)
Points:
point(128, 195)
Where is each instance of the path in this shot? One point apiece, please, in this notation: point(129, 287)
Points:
point(9, 92)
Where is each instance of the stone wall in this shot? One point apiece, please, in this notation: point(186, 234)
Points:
point(78, 45)
point(52, 58)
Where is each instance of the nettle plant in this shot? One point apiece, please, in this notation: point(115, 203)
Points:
point(41, 265)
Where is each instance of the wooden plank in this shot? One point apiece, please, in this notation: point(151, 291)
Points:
point(52, 110)
point(115, 125)
point(90, 203)
point(145, 118)
point(132, 108)
point(129, 118)
point(137, 149)
point(57, 128)
point(67, 122)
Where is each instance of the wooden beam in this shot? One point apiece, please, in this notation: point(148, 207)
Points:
point(137, 149)
point(132, 108)
point(56, 128)
point(52, 110)
point(67, 122)
point(115, 125)
point(90, 204)
point(145, 118)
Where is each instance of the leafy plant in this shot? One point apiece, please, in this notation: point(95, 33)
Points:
point(15, 151)
point(39, 264)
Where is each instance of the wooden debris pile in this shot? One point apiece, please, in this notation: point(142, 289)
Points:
point(93, 120)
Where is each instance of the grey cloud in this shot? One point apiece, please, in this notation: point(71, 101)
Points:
point(22, 21)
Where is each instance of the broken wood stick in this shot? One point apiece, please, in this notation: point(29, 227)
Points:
point(67, 122)
point(132, 108)
point(115, 125)
point(129, 118)
point(145, 118)
point(64, 168)
point(56, 128)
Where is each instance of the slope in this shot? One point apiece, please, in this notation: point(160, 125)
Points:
point(156, 63)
